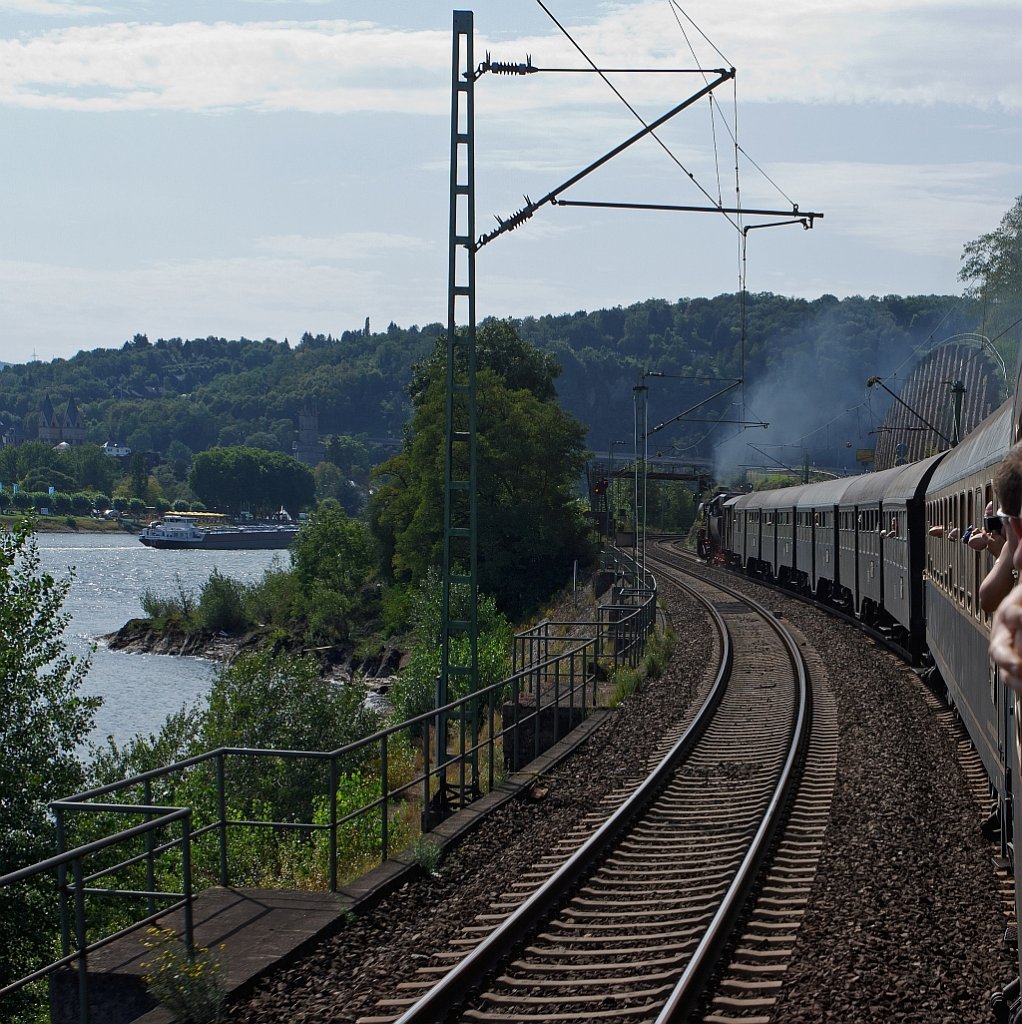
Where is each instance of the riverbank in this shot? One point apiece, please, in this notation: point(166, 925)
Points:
point(141, 636)
point(72, 524)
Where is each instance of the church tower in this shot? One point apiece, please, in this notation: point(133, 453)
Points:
point(49, 425)
point(307, 448)
point(73, 428)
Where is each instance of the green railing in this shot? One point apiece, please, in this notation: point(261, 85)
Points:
point(141, 834)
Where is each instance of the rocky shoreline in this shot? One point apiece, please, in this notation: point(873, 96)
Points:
point(140, 636)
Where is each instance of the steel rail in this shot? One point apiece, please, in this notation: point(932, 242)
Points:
point(692, 983)
point(451, 991)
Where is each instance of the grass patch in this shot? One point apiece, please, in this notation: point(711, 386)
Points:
point(626, 681)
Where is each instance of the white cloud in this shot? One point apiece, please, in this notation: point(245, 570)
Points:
point(315, 66)
point(844, 51)
point(856, 50)
point(355, 245)
point(917, 210)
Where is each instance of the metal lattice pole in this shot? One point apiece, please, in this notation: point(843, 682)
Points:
point(458, 614)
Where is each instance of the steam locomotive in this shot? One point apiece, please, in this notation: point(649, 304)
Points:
point(887, 548)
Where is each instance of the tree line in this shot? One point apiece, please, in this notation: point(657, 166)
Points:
point(178, 397)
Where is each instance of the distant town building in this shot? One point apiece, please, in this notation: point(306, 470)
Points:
point(308, 449)
point(12, 434)
point(54, 429)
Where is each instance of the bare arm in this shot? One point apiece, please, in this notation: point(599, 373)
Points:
point(999, 580)
point(1005, 640)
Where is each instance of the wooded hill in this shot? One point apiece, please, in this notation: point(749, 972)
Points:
point(172, 394)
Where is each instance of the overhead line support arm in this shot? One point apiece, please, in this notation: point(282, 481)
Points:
point(522, 215)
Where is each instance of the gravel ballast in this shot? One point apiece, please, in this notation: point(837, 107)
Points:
point(905, 920)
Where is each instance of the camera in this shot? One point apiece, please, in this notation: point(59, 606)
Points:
point(992, 524)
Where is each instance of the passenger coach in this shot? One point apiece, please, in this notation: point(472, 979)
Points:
point(957, 629)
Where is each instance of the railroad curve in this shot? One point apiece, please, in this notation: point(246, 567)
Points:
point(649, 901)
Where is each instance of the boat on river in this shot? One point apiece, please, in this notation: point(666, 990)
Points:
point(186, 534)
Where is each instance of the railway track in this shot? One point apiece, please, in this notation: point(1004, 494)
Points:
point(637, 919)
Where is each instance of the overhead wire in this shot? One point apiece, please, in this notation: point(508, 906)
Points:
point(716, 113)
point(671, 155)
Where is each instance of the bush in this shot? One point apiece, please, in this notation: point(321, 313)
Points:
point(60, 504)
point(279, 702)
point(271, 601)
point(397, 608)
point(413, 693)
point(659, 648)
point(221, 605)
point(176, 607)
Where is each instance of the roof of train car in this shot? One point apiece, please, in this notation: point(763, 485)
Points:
point(898, 482)
point(778, 497)
point(913, 476)
point(800, 496)
point(984, 447)
point(830, 492)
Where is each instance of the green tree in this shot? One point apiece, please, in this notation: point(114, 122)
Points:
point(238, 478)
point(280, 702)
point(91, 469)
point(139, 475)
point(45, 719)
point(992, 270)
point(332, 558)
point(530, 455)
point(414, 691)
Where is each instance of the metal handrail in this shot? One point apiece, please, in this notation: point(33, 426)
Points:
point(566, 679)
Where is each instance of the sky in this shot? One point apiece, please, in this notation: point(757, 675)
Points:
point(262, 168)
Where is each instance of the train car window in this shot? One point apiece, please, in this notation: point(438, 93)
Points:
point(945, 564)
point(959, 549)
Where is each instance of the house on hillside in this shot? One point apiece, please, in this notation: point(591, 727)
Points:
point(12, 434)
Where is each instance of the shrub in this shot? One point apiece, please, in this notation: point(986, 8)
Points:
point(271, 601)
point(279, 702)
point(221, 605)
point(626, 682)
point(414, 691)
point(81, 503)
point(175, 607)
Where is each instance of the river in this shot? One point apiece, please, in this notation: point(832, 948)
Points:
point(112, 571)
